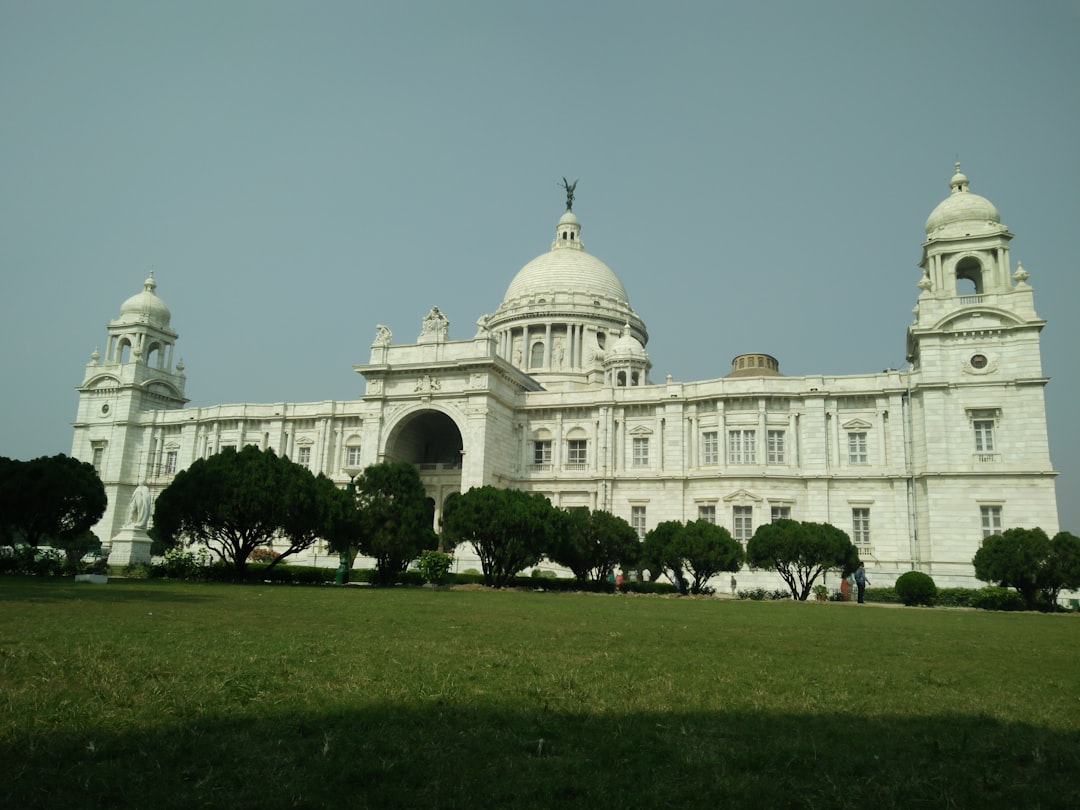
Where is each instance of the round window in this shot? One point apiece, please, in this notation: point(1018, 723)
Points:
point(105, 408)
point(978, 361)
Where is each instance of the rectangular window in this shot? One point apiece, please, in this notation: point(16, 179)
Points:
point(352, 456)
point(637, 520)
point(860, 526)
point(641, 451)
point(991, 520)
point(781, 513)
point(99, 457)
point(303, 456)
point(710, 447)
point(984, 435)
point(577, 452)
point(742, 521)
point(776, 447)
point(856, 448)
point(170, 462)
point(706, 512)
point(542, 453)
point(741, 449)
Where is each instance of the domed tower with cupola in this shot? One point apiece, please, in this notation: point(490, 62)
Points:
point(969, 295)
point(563, 314)
point(136, 375)
point(976, 411)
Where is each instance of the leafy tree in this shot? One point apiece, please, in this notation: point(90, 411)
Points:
point(52, 500)
point(1028, 561)
point(1063, 572)
point(800, 552)
point(394, 522)
point(657, 556)
point(705, 549)
point(592, 543)
point(344, 527)
point(233, 502)
point(509, 529)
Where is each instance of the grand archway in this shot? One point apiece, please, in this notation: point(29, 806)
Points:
point(432, 441)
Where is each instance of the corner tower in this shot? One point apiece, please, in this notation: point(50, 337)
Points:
point(976, 412)
point(120, 389)
point(969, 296)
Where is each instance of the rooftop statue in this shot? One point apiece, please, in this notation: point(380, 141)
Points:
point(569, 193)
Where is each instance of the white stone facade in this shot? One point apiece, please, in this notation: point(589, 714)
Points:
point(552, 395)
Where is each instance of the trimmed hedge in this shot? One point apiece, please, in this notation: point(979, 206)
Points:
point(916, 588)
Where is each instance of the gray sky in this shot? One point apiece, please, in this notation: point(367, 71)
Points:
point(758, 174)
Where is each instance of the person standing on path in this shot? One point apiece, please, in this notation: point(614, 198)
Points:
point(861, 581)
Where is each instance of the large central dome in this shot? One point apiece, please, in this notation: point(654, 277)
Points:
point(566, 268)
point(562, 315)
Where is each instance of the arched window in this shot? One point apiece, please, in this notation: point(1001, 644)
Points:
point(536, 355)
point(125, 350)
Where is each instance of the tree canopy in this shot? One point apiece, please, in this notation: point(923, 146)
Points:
point(657, 554)
point(592, 543)
point(394, 519)
point(705, 549)
point(509, 529)
point(52, 500)
point(800, 552)
point(1031, 563)
point(233, 502)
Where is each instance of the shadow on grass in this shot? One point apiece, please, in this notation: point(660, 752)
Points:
point(433, 755)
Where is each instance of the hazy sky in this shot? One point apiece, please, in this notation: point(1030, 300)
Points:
point(758, 174)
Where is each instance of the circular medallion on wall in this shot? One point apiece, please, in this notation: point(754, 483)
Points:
point(979, 363)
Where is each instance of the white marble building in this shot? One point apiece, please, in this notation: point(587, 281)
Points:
point(552, 394)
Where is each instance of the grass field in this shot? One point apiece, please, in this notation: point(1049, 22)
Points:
point(150, 694)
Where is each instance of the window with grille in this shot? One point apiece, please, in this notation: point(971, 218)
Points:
point(781, 513)
point(641, 451)
point(741, 448)
point(991, 520)
point(856, 443)
point(860, 526)
point(710, 447)
point(742, 523)
point(577, 451)
point(776, 447)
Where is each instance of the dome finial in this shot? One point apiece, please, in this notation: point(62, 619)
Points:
point(959, 180)
point(569, 193)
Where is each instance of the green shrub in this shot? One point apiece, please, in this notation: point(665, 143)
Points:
point(916, 588)
point(885, 596)
point(993, 597)
point(956, 597)
point(434, 566)
point(180, 564)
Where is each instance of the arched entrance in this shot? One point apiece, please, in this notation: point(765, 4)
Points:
point(432, 441)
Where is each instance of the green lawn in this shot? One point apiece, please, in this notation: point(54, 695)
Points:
point(148, 694)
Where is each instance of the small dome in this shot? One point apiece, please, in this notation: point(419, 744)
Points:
point(962, 208)
point(146, 306)
point(569, 219)
point(627, 346)
point(755, 365)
